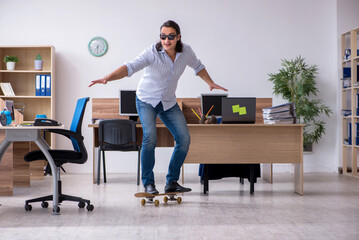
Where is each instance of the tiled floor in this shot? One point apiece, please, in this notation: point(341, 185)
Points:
point(329, 209)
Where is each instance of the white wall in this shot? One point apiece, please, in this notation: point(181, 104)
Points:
point(239, 41)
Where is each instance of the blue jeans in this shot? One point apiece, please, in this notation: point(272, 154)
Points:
point(176, 123)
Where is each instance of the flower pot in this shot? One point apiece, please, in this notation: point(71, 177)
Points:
point(308, 147)
point(38, 65)
point(10, 66)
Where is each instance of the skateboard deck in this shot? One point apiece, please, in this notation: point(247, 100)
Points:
point(149, 197)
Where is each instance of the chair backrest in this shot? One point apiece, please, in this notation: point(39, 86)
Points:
point(77, 120)
point(117, 132)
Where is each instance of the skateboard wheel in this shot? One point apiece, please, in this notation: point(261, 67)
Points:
point(157, 203)
point(143, 202)
point(179, 199)
point(165, 199)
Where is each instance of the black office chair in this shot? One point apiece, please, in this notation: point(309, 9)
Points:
point(78, 155)
point(117, 135)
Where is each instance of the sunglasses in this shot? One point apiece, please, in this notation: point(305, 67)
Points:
point(170, 37)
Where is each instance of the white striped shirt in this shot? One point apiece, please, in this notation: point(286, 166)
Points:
point(159, 81)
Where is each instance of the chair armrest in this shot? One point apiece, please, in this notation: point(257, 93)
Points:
point(67, 133)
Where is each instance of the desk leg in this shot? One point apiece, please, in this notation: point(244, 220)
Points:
point(40, 142)
point(298, 178)
point(94, 180)
point(205, 178)
point(182, 174)
point(3, 147)
point(251, 178)
point(267, 172)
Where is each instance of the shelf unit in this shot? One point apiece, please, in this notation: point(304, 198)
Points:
point(350, 97)
point(22, 80)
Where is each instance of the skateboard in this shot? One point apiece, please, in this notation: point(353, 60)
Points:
point(149, 197)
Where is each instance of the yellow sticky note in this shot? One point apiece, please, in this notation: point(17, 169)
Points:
point(235, 108)
point(242, 111)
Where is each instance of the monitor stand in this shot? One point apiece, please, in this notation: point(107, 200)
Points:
point(134, 118)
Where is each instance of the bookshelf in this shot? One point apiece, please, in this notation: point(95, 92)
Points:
point(22, 81)
point(350, 102)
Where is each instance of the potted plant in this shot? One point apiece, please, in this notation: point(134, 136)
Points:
point(296, 83)
point(38, 62)
point(10, 62)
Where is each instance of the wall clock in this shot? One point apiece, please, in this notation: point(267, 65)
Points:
point(98, 46)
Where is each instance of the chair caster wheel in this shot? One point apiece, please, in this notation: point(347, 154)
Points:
point(28, 207)
point(44, 204)
point(57, 210)
point(90, 207)
point(81, 204)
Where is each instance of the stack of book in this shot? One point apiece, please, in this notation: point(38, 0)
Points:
point(281, 114)
point(346, 112)
point(7, 89)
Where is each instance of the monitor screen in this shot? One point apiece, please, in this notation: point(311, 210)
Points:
point(128, 103)
point(215, 100)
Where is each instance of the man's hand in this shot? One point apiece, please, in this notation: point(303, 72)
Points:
point(205, 76)
point(98, 81)
point(215, 86)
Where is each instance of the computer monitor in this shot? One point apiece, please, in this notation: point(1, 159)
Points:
point(128, 104)
point(212, 99)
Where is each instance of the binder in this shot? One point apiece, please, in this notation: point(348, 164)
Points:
point(48, 85)
point(37, 85)
point(12, 93)
point(4, 89)
point(349, 133)
point(7, 89)
point(42, 86)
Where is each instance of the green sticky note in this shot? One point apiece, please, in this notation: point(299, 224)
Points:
point(235, 108)
point(242, 111)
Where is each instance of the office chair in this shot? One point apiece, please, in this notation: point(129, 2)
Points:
point(78, 155)
point(219, 171)
point(117, 135)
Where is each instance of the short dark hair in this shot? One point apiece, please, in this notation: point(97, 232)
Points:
point(174, 25)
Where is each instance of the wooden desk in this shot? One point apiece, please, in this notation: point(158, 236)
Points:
point(240, 143)
point(248, 143)
point(32, 134)
point(225, 143)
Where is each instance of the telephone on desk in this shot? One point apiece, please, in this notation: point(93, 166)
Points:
point(46, 122)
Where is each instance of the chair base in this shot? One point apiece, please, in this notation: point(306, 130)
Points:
point(62, 197)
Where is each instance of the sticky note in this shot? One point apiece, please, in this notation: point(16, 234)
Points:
point(239, 110)
point(242, 111)
point(235, 108)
